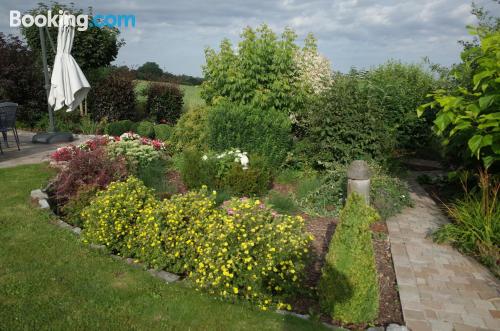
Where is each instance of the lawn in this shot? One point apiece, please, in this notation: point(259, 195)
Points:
point(192, 97)
point(50, 280)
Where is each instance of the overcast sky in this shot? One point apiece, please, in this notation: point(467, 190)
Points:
point(358, 33)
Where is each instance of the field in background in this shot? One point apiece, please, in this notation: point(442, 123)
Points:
point(192, 96)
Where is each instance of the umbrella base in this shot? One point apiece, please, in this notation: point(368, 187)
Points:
point(52, 137)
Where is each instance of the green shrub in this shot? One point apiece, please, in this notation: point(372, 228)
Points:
point(225, 172)
point(349, 287)
point(240, 251)
point(164, 103)
point(119, 127)
point(163, 132)
point(135, 153)
point(191, 131)
point(154, 176)
point(348, 123)
point(475, 228)
point(72, 210)
point(389, 195)
point(265, 132)
point(146, 129)
point(282, 203)
point(113, 98)
point(110, 219)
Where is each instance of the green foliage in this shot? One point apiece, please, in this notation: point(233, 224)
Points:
point(222, 172)
point(163, 132)
point(164, 103)
point(388, 194)
point(72, 210)
point(146, 129)
point(135, 153)
point(349, 287)
point(348, 123)
point(401, 89)
point(88, 126)
point(119, 127)
point(261, 72)
point(154, 176)
point(476, 223)
point(470, 113)
point(113, 98)
point(149, 71)
point(93, 48)
point(110, 219)
point(267, 133)
point(191, 131)
point(282, 203)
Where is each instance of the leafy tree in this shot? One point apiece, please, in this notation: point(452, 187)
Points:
point(21, 79)
point(471, 111)
point(262, 72)
point(149, 71)
point(93, 48)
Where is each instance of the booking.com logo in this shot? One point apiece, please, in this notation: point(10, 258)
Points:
point(81, 21)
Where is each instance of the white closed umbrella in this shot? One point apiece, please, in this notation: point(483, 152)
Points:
point(68, 83)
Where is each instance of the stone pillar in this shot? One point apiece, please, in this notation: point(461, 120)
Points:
point(358, 179)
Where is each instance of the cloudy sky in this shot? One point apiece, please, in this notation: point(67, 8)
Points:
point(358, 33)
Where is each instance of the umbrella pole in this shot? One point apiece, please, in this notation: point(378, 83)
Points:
point(47, 80)
point(51, 136)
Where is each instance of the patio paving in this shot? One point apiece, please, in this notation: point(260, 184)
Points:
point(30, 153)
point(440, 289)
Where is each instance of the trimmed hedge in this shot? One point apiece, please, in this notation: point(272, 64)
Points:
point(349, 286)
point(113, 98)
point(119, 127)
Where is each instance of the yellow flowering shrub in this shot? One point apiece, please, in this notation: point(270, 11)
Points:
point(110, 219)
point(253, 253)
point(170, 235)
point(240, 250)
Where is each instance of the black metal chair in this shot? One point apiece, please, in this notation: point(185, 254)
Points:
point(8, 112)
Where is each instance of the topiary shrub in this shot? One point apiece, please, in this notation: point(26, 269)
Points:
point(146, 129)
point(110, 220)
point(264, 132)
point(164, 103)
point(163, 132)
point(191, 131)
point(348, 286)
point(119, 127)
point(113, 98)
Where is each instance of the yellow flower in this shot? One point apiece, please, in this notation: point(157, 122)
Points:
point(235, 290)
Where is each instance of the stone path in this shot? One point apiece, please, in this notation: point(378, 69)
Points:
point(30, 153)
point(440, 289)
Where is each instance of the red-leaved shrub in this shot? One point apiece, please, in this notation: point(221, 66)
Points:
point(93, 168)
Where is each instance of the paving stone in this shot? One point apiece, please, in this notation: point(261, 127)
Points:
point(440, 289)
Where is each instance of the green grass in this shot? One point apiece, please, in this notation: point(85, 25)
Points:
point(50, 280)
point(192, 97)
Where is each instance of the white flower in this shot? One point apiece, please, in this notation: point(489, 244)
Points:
point(244, 161)
point(204, 157)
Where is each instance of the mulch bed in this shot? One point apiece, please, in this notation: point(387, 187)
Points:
point(389, 305)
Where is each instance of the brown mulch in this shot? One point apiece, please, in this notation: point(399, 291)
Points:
point(174, 178)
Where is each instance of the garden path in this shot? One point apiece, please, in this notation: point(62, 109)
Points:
point(440, 289)
point(30, 153)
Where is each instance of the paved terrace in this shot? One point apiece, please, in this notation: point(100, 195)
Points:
point(30, 153)
point(440, 289)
